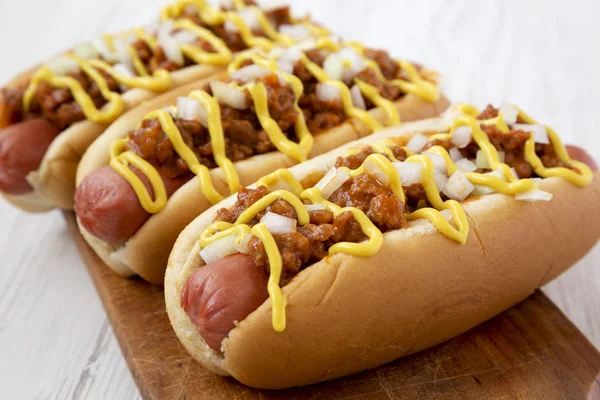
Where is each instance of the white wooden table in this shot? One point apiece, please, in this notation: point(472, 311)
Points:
point(55, 340)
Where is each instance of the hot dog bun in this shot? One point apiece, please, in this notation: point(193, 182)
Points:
point(419, 290)
point(54, 181)
point(146, 253)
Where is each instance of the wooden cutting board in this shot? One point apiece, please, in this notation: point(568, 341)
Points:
point(531, 351)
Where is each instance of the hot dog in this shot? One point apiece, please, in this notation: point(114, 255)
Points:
point(384, 247)
point(272, 110)
point(85, 89)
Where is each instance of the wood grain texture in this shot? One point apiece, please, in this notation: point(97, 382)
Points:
point(54, 336)
point(531, 351)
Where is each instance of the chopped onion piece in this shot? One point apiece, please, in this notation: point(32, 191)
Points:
point(455, 154)
point(357, 63)
point(410, 172)
point(534, 195)
point(185, 37)
point(296, 32)
point(461, 136)
point(250, 73)
point(509, 113)
point(438, 162)
point(334, 67)
point(191, 110)
point(333, 179)
point(291, 55)
point(315, 207)
point(458, 187)
point(417, 143)
point(466, 165)
point(229, 95)
point(376, 172)
point(63, 66)
point(328, 92)
point(285, 66)
point(278, 223)
point(305, 45)
point(441, 180)
point(539, 132)
point(248, 14)
point(169, 45)
point(357, 98)
point(483, 162)
point(242, 247)
point(102, 47)
point(121, 46)
point(219, 249)
point(124, 70)
point(86, 51)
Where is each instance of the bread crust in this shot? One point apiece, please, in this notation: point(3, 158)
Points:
point(439, 289)
point(147, 252)
point(54, 182)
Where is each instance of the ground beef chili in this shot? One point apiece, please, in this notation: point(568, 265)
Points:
point(310, 243)
point(244, 136)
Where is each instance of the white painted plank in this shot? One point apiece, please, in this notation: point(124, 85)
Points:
point(54, 337)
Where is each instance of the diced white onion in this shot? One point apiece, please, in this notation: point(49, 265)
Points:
point(278, 223)
point(315, 207)
point(285, 66)
point(229, 95)
point(102, 47)
point(538, 131)
point(242, 247)
point(509, 113)
point(86, 51)
point(305, 45)
point(296, 32)
point(123, 70)
point(455, 154)
point(250, 73)
point(63, 66)
point(357, 98)
point(417, 143)
point(357, 63)
point(466, 165)
point(461, 136)
point(438, 162)
point(534, 195)
point(333, 179)
point(219, 249)
point(334, 67)
point(376, 172)
point(185, 37)
point(328, 92)
point(248, 14)
point(169, 45)
point(458, 187)
point(441, 180)
point(410, 172)
point(292, 55)
point(191, 110)
point(483, 162)
point(121, 46)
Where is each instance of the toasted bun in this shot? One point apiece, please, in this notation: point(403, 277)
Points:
point(54, 181)
point(147, 252)
point(419, 290)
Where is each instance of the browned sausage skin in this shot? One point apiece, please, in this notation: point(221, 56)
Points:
point(579, 154)
point(22, 149)
point(108, 207)
point(220, 293)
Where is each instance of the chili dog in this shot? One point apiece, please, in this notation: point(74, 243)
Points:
point(272, 110)
point(382, 248)
point(70, 100)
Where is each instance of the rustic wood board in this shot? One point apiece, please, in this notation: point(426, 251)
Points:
point(531, 351)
